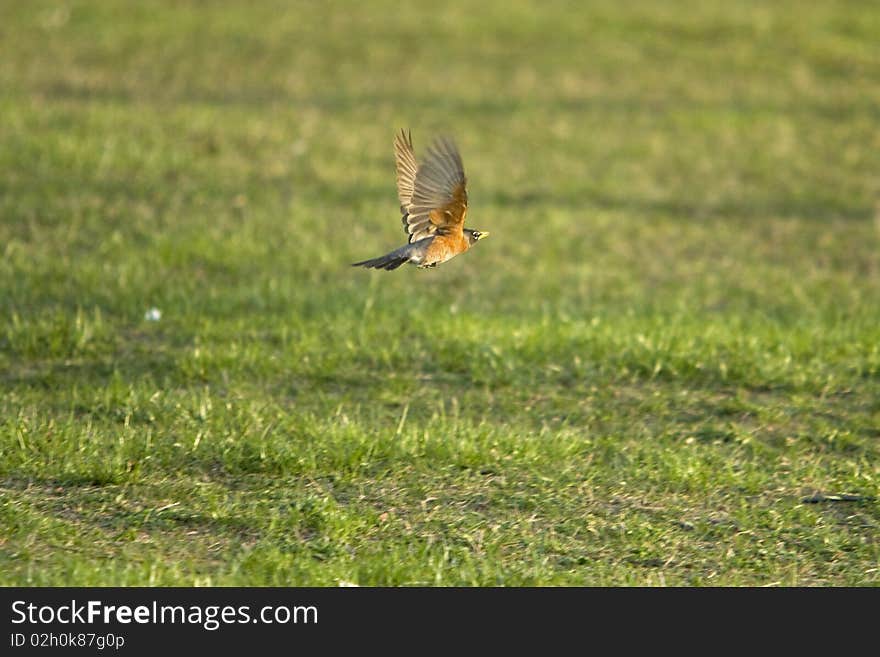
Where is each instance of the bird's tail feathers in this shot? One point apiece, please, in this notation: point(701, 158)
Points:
point(388, 262)
point(384, 262)
point(413, 253)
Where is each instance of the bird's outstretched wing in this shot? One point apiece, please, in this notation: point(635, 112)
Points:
point(434, 200)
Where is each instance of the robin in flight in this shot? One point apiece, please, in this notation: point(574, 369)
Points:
point(433, 201)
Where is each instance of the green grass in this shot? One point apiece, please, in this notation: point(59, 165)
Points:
point(670, 340)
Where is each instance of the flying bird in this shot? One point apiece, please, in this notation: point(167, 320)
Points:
point(433, 202)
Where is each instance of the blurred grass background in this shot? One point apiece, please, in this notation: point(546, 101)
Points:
point(671, 339)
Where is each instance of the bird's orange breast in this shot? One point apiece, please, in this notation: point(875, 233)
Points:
point(444, 247)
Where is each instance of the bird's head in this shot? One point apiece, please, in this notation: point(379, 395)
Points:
point(474, 236)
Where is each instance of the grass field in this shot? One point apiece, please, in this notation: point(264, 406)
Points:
point(664, 356)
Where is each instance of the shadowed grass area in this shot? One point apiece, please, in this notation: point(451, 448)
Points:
point(667, 348)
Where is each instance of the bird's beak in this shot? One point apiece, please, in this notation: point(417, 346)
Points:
point(483, 235)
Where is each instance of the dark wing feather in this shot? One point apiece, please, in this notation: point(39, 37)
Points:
point(405, 160)
point(438, 203)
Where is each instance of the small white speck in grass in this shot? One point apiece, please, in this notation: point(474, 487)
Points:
point(153, 315)
point(346, 585)
point(299, 147)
